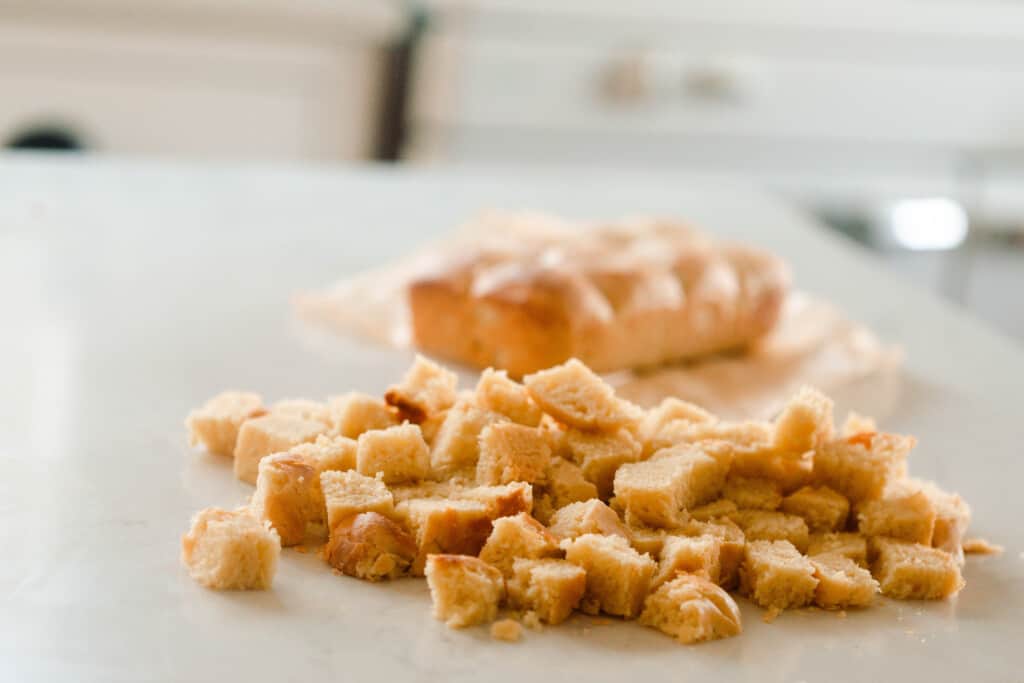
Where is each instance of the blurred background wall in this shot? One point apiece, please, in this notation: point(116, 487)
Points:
point(899, 123)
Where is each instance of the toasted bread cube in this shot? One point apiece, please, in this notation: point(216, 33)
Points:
point(911, 571)
point(426, 389)
point(350, 493)
point(574, 395)
point(775, 574)
point(303, 408)
point(330, 452)
point(850, 545)
point(748, 433)
point(563, 483)
point(370, 546)
point(822, 508)
point(856, 423)
point(761, 462)
point(399, 454)
point(508, 630)
point(511, 452)
point(646, 539)
point(268, 434)
point(657, 491)
point(805, 423)
point(859, 467)
point(842, 583)
point(671, 410)
point(618, 577)
point(733, 542)
point(515, 537)
point(230, 550)
point(549, 588)
point(457, 527)
point(354, 413)
point(716, 508)
point(701, 555)
point(496, 393)
point(906, 516)
point(288, 495)
point(692, 609)
point(501, 501)
point(465, 590)
point(600, 455)
point(952, 514)
point(216, 424)
point(456, 446)
point(773, 526)
point(587, 517)
point(751, 493)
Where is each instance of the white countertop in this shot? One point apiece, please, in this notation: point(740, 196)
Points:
point(133, 291)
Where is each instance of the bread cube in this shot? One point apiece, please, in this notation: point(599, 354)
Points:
point(805, 423)
point(701, 555)
point(216, 424)
point(671, 410)
point(952, 514)
point(842, 583)
point(574, 395)
point(751, 493)
point(496, 393)
point(370, 546)
point(456, 527)
point(716, 508)
point(456, 445)
point(268, 434)
point(646, 539)
point(902, 515)
point(587, 517)
point(733, 542)
point(519, 536)
point(775, 574)
point(859, 467)
point(657, 491)
point(288, 495)
point(761, 462)
point(822, 508)
point(426, 389)
point(692, 609)
point(618, 577)
point(563, 483)
point(773, 526)
point(501, 501)
point(600, 455)
point(911, 571)
point(465, 590)
point(350, 493)
point(329, 452)
point(230, 550)
point(508, 630)
point(399, 454)
point(355, 413)
point(849, 545)
point(304, 409)
point(549, 588)
point(511, 452)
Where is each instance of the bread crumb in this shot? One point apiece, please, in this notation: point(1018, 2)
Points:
point(532, 621)
point(771, 615)
point(980, 546)
point(508, 630)
point(841, 614)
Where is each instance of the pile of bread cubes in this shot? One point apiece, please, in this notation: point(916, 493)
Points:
point(554, 495)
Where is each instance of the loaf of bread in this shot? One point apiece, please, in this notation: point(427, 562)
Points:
point(622, 296)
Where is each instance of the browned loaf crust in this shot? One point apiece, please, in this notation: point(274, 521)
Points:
point(613, 297)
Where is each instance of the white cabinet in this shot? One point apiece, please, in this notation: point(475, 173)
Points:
point(221, 79)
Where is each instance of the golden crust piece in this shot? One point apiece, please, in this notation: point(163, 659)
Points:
point(456, 527)
point(216, 424)
point(692, 609)
point(425, 390)
point(614, 298)
point(268, 434)
point(288, 495)
point(230, 550)
point(465, 590)
point(574, 395)
point(370, 546)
